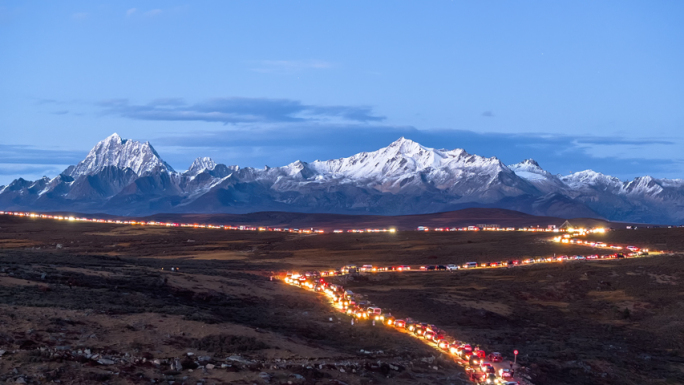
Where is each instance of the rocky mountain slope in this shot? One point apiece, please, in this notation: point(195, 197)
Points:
point(126, 177)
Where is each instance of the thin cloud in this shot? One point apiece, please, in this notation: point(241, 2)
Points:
point(24, 154)
point(27, 170)
point(153, 12)
point(610, 141)
point(41, 102)
point(131, 12)
point(237, 110)
point(488, 114)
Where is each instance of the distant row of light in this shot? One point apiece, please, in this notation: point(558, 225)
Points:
point(162, 224)
point(291, 230)
point(532, 229)
point(392, 230)
point(571, 239)
point(589, 243)
point(191, 225)
point(348, 269)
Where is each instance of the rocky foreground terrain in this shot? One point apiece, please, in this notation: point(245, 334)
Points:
point(89, 302)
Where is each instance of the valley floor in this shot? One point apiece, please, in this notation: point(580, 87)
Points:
point(83, 303)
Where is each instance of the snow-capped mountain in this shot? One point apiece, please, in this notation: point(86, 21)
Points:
point(200, 164)
point(127, 177)
point(141, 158)
point(406, 165)
point(543, 180)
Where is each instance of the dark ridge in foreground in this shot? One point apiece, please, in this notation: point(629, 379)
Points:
point(449, 219)
point(460, 218)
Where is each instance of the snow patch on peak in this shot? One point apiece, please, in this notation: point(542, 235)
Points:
point(406, 145)
point(298, 169)
point(543, 180)
point(644, 185)
point(116, 138)
point(530, 170)
point(200, 164)
point(122, 153)
point(586, 178)
point(529, 162)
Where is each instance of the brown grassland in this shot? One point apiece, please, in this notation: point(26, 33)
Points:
point(90, 303)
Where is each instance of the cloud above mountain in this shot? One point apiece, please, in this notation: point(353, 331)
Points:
point(234, 110)
point(25, 154)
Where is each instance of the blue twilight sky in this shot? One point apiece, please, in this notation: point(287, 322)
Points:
point(572, 84)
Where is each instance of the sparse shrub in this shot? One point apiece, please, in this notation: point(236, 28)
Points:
point(98, 377)
point(188, 363)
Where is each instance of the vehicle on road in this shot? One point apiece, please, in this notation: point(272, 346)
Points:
point(441, 268)
point(443, 344)
point(490, 378)
point(452, 267)
point(420, 329)
point(349, 269)
point(470, 265)
point(464, 349)
point(505, 373)
point(439, 337)
point(429, 335)
point(487, 367)
point(495, 357)
point(400, 323)
point(374, 312)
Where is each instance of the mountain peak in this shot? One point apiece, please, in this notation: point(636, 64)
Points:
point(527, 164)
point(404, 143)
point(401, 141)
point(122, 153)
point(200, 164)
point(589, 177)
point(528, 167)
point(116, 138)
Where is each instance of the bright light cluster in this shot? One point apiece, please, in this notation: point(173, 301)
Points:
point(474, 359)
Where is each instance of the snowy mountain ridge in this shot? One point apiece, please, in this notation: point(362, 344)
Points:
point(122, 176)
